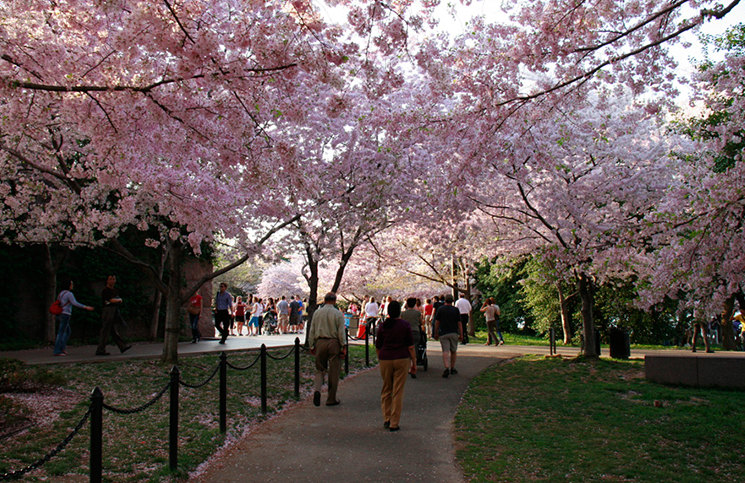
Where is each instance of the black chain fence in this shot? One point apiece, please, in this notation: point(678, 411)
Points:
point(94, 412)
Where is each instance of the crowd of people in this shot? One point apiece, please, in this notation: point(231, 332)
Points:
point(258, 316)
point(399, 329)
point(370, 313)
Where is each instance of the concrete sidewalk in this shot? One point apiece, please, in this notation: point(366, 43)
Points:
point(152, 350)
point(348, 442)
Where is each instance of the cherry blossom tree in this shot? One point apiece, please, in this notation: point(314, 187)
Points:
point(283, 279)
point(699, 227)
point(153, 114)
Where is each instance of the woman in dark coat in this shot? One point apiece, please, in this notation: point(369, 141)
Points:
point(395, 347)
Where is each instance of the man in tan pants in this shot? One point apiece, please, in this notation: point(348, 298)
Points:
point(328, 342)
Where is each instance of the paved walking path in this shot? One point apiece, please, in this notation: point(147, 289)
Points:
point(348, 442)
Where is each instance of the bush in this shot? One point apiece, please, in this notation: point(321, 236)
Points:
point(15, 376)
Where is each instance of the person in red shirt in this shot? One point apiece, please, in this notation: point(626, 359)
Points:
point(429, 310)
point(240, 314)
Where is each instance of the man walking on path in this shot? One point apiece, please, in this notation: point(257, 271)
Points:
point(295, 314)
point(283, 310)
point(327, 341)
point(223, 305)
point(464, 307)
point(110, 316)
point(448, 330)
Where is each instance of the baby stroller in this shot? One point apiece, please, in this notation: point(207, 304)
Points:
point(421, 351)
point(270, 324)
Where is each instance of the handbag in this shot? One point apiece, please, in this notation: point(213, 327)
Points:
point(56, 307)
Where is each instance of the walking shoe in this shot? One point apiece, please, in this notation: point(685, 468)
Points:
point(102, 353)
point(395, 429)
point(333, 403)
point(316, 399)
point(387, 424)
point(453, 371)
point(446, 373)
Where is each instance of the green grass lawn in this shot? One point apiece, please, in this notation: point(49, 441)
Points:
point(553, 420)
point(524, 339)
point(135, 447)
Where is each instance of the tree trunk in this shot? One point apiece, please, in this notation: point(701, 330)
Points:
point(155, 319)
point(51, 267)
point(728, 336)
point(471, 328)
point(588, 322)
point(454, 277)
point(50, 293)
point(312, 280)
point(173, 306)
point(566, 318)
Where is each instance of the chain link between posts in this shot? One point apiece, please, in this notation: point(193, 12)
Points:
point(202, 384)
point(37, 464)
point(292, 351)
point(140, 408)
point(244, 368)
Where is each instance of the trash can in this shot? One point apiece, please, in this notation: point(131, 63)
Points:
point(620, 347)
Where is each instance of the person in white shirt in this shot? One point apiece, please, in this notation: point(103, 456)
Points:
point(464, 307)
point(371, 315)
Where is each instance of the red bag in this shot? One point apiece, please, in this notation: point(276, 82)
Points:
point(55, 308)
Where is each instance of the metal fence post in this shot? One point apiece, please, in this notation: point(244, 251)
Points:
point(173, 432)
point(346, 356)
point(96, 455)
point(263, 378)
point(552, 342)
point(223, 392)
point(297, 368)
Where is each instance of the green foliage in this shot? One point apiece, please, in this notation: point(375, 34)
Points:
point(503, 283)
point(614, 304)
point(15, 376)
point(705, 129)
point(13, 416)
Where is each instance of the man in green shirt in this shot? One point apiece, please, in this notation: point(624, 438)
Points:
point(328, 342)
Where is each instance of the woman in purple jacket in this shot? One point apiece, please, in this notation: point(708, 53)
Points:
point(395, 347)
